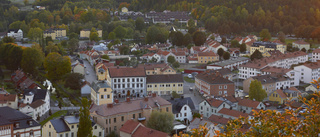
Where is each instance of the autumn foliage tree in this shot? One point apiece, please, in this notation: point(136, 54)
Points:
point(57, 66)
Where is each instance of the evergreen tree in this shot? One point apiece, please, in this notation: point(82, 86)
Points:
point(256, 55)
point(243, 47)
point(220, 52)
point(85, 128)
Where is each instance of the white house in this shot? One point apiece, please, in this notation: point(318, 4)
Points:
point(86, 89)
point(15, 33)
point(315, 55)
point(180, 57)
point(212, 106)
point(202, 121)
point(182, 109)
point(214, 45)
point(231, 64)
point(309, 71)
point(36, 102)
point(301, 44)
point(252, 68)
point(294, 75)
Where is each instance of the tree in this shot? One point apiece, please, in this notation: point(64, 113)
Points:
point(156, 34)
point(235, 43)
point(256, 92)
point(162, 121)
point(226, 55)
point(187, 39)
point(120, 32)
point(174, 94)
point(74, 81)
point(73, 45)
point(282, 37)
point(35, 34)
point(85, 123)
point(223, 40)
point(31, 61)
point(243, 47)
point(256, 55)
point(220, 52)
point(304, 50)
point(73, 35)
point(7, 39)
point(153, 60)
point(139, 24)
point(94, 36)
point(171, 59)
point(25, 2)
point(57, 66)
point(199, 38)
point(51, 48)
point(177, 38)
point(265, 35)
point(11, 55)
point(176, 64)
point(105, 57)
point(191, 23)
point(112, 36)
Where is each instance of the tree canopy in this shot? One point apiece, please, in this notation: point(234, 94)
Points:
point(85, 123)
point(162, 121)
point(57, 66)
point(199, 38)
point(256, 55)
point(256, 92)
point(32, 59)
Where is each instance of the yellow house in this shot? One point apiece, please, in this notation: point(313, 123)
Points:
point(278, 96)
point(102, 70)
point(156, 69)
point(272, 53)
point(55, 33)
point(205, 57)
point(78, 68)
point(124, 9)
point(101, 93)
point(85, 33)
point(165, 84)
point(67, 126)
point(264, 47)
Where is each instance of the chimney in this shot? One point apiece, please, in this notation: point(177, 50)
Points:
point(110, 105)
point(146, 99)
point(128, 99)
point(154, 94)
point(116, 101)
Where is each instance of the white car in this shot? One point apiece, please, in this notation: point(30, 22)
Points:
point(190, 76)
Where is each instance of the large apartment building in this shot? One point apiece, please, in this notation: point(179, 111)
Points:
point(212, 83)
point(253, 68)
point(315, 55)
point(127, 81)
point(101, 93)
point(113, 116)
point(55, 33)
point(309, 71)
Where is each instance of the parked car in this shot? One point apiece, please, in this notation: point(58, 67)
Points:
point(191, 89)
point(190, 76)
point(267, 104)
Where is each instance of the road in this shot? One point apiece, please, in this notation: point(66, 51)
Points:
point(92, 75)
point(195, 96)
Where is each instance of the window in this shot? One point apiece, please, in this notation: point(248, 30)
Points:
point(101, 96)
point(122, 118)
point(174, 85)
point(95, 127)
point(67, 134)
point(49, 134)
point(114, 120)
point(140, 115)
point(185, 108)
point(108, 96)
point(99, 134)
point(115, 128)
point(134, 116)
point(185, 114)
point(225, 92)
point(31, 132)
point(220, 87)
point(49, 126)
point(177, 115)
point(201, 107)
point(128, 80)
point(133, 85)
point(115, 80)
point(105, 90)
point(72, 126)
point(132, 79)
point(155, 86)
point(60, 135)
point(167, 109)
point(220, 92)
point(225, 86)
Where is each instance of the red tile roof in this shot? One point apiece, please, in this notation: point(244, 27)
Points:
point(126, 72)
point(280, 93)
point(275, 70)
point(248, 103)
point(214, 102)
point(207, 54)
point(179, 53)
point(148, 132)
point(218, 119)
point(129, 126)
point(313, 65)
point(316, 51)
point(233, 113)
point(164, 53)
point(300, 42)
point(8, 97)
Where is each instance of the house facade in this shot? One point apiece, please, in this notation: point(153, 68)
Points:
point(15, 33)
point(67, 126)
point(55, 33)
point(10, 100)
point(182, 108)
point(85, 33)
point(113, 116)
point(127, 81)
point(165, 84)
point(205, 57)
point(315, 55)
point(231, 64)
point(101, 93)
point(301, 44)
point(158, 68)
point(309, 71)
point(267, 46)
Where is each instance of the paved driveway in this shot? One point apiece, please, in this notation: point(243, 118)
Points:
point(92, 75)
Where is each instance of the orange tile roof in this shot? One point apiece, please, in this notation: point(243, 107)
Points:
point(248, 103)
point(280, 93)
point(207, 54)
point(8, 97)
point(126, 72)
point(218, 119)
point(214, 102)
point(148, 132)
point(313, 65)
point(275, 70)
point(316, 51)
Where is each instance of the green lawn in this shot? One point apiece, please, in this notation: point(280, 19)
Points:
point(54, 115)
point(290, 40)
point(189, 80)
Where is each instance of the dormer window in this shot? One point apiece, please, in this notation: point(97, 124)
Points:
point(17, 125)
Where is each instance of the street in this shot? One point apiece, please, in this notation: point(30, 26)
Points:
point(195, 96)
point(92, 74)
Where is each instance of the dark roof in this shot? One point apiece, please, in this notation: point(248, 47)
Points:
point(170, 78)
point(271, 78)
point(218, 119)
point(9, 115)
point(178, 103)
point(36, 104)
point(266, 44)
point(38, 93)
point(59, 125)
point(213, 77)
point(96, 85)
point(14, 30)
